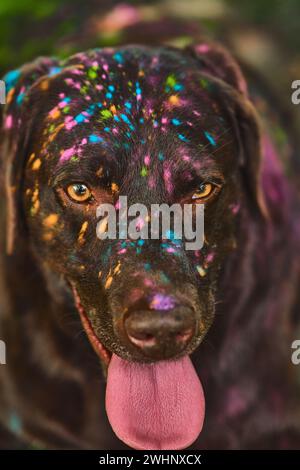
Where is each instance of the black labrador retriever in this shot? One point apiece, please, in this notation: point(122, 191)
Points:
point(158, 125)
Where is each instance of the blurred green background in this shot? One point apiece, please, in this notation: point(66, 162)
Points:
point(262, 33)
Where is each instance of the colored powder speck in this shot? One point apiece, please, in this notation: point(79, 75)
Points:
point(54, 71)
point(106, 114)
point(118, 57)
point(162, 302)
point(66, 154)
point(94, 139)
point(174, 100)
point(20, 98)
point(182, 137)
point(80, 118)
point(50, 220)
point(11, 79)
point(176, 122)
point(144, 171)
point(125, 118)
point(8, 122)
point(92, 74)
point(201, 271)
point(171, 81)
point(210, 138)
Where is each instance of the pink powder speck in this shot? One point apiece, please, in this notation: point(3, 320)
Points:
point(203, 48)
point(66, 154)
point(69, 125)
point(8, 122)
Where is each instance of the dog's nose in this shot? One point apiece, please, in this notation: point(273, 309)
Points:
point(160, 334)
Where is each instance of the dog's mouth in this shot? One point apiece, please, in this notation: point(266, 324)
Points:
point(150, 406)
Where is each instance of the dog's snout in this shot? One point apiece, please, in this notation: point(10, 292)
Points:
point(160, 334)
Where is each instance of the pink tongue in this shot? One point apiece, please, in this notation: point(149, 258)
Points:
point(155, 406)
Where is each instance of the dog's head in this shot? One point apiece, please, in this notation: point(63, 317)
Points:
point(158, 126)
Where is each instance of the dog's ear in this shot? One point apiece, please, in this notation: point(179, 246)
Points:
point(220, 67)
point(15, 123)
point(218, 62)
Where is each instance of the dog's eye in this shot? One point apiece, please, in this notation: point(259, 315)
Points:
point(79, 192)
point(204, 192)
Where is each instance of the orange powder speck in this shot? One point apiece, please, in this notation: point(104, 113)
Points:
point(55, 113)
point(44, 85)
point(82, 232)
point(35, 202)
point(99, 171)
point(47, 236)
point(10, 95)
point(114, 187)
point(50, 221)
point(36, 164)
point(174, 100)
point(117, 268)
point(108, 282)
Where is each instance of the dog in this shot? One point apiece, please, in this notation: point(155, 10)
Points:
point(159, 125)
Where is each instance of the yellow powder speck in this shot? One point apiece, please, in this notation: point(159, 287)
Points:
point(201, 271)
point(32, 156)
point(113, 109)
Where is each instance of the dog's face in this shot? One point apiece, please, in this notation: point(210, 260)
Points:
point(154, 125)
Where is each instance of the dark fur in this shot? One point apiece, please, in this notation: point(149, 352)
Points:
point(52, 381)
